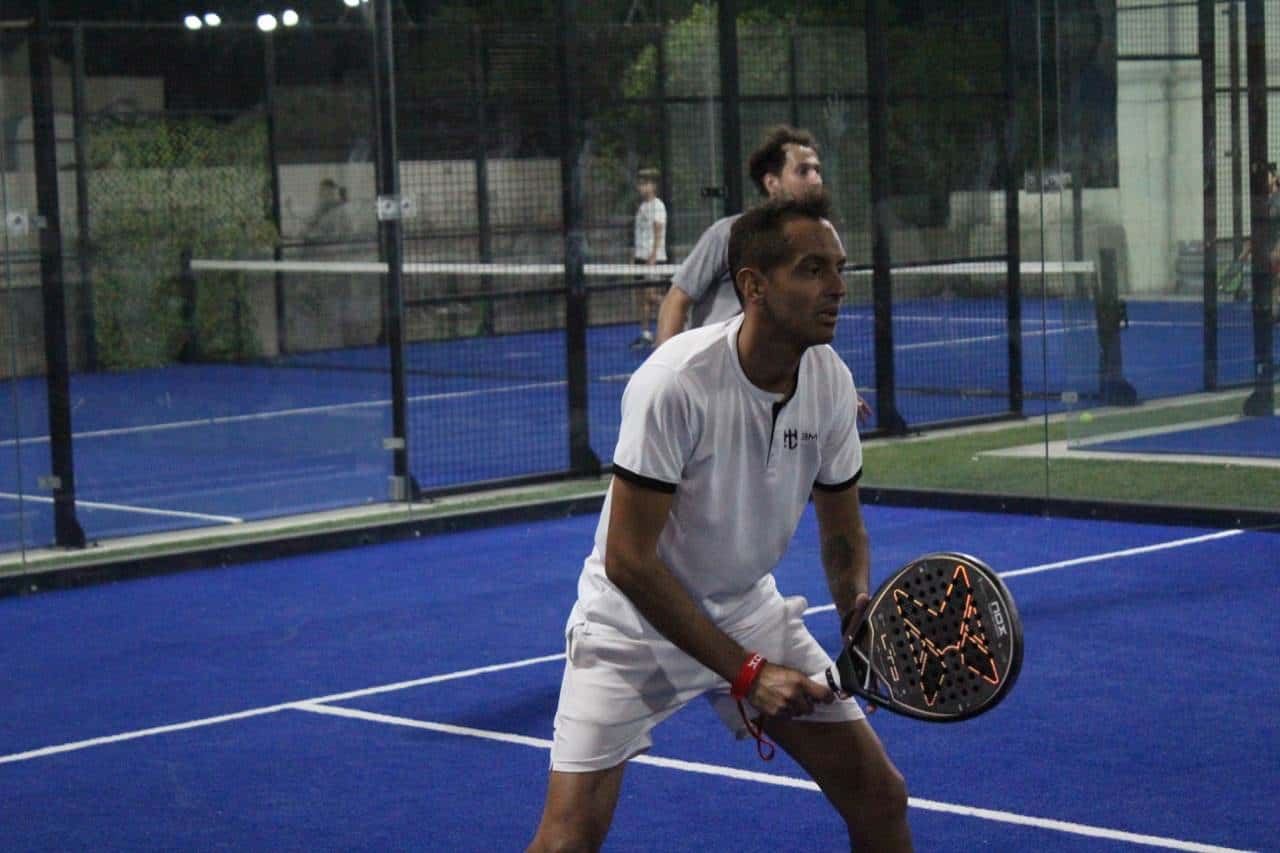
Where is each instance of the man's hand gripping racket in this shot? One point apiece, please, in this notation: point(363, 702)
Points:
point(940, 640)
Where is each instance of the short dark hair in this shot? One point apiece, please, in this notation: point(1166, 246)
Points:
point(771, 154)
point(757, 238)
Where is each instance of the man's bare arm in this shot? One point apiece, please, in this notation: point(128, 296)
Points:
point(672, 314)
point(657, 241)
point(846, 551)
point(636, 519)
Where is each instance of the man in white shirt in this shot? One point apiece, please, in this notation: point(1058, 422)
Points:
point(650, 248)
point(726, 431)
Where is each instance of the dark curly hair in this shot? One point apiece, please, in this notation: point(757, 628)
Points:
point(771, 154)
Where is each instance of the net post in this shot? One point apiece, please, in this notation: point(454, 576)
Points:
point(1262, 226)
point(190, 350)
point(887, 416)
point(1205, 29)
point(1108, 311)
point(582, 460)
point(67, 530)
point(390, 239)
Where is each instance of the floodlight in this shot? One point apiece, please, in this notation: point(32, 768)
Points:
point(289, 18)
point(266, 22)
point(192, 22)
point(213, 19)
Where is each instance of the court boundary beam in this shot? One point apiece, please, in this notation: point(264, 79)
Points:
point(222, 555)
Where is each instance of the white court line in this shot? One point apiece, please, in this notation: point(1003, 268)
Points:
point(1092, 558)
point(47, 751)
point(779, 780)
point(977, 339)
point(280, 413)
point(1127, 552)
point(268, 709)
point(143, 510)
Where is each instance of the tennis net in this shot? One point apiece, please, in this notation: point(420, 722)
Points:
point(466, 322)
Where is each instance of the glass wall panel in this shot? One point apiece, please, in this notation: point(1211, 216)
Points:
point(202, 393)
point(1169, 345)
point(25, 500)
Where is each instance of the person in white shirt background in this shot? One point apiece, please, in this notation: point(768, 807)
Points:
point(650, 249)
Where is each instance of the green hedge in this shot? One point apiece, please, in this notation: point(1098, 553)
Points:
point(158, 188)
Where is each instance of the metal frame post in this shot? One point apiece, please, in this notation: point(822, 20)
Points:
point(582, 459)
point(1205, 26)
point(1237, 158)
point(273, 177)
point(887, 415)
point(88, 319)
point(730, 106)
point(1261, 227)
point(484, 236)
point(391, 242)
point(1012, 226)
point(67, 530)
point(664, 123)
point(793, 78)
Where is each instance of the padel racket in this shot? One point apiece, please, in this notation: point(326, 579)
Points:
point(940, 641)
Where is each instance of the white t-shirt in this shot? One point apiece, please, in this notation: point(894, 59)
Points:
point(650, 213)
point(740, 461)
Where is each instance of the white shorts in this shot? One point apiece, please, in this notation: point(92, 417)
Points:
point(616, 688)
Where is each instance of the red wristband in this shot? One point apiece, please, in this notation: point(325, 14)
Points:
point(747, 676)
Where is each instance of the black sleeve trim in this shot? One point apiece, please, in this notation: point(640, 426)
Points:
point(840, 487)
point(644, 482)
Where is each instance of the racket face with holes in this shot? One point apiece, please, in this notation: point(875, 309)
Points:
point(940, 641)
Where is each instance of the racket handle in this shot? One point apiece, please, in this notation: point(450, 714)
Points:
point(840, 692)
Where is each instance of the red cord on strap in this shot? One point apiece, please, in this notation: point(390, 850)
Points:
point(764, 746)
point(738, 690)
point(747, 676)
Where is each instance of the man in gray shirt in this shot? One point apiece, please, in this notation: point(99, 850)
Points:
point(785, 165)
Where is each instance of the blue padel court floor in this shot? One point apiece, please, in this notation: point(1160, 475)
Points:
point(400, 697)
point(215, 444)
point(1252, 437)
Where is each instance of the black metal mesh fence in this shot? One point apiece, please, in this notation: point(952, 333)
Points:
point(517, 138)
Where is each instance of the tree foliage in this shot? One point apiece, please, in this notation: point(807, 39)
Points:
point(161, 189)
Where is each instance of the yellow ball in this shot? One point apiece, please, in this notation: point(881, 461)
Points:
point(1085, 418)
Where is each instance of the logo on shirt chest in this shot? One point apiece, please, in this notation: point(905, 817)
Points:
point(791, 438)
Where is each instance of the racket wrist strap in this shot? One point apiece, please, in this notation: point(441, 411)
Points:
point(747, 676)
point(846, 620)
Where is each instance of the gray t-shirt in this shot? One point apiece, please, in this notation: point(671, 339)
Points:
point(705, 277)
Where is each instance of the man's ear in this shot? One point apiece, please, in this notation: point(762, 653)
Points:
point(750, 284)
point(771, 183)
